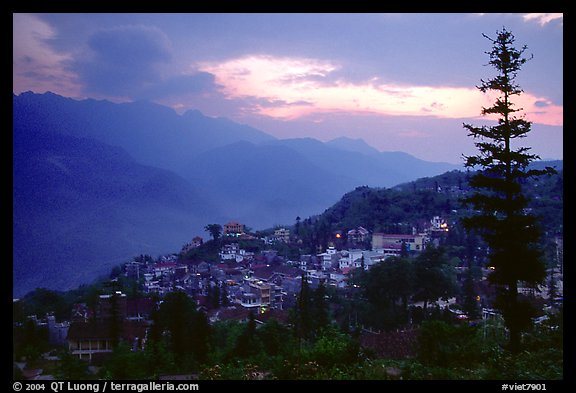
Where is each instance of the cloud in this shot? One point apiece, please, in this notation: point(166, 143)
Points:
point(541, 110)
point(35, 65)
point(265, 79)
point(543, 18)
point(123, 61)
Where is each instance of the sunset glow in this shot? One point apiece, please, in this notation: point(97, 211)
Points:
point(385, 78)
point(289, 88)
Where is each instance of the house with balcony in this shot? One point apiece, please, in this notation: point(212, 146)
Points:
point(358, 235)
point(95, 338)
point(234, 229)
point(329, 259)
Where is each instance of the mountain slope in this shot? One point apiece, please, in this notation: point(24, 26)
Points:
point(398, 209)
point(373, 168)
point(192, 146)
point(153, 134)
point(81, 206)
point(96, 183)
point(266, 185)
point(353, 144)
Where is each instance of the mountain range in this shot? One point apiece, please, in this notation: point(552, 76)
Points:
point(96, 183)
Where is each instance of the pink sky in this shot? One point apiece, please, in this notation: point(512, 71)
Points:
point(295, 81)
point(399, 81)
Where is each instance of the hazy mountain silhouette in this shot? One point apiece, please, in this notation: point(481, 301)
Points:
point(153, 134)
point(96, 183)
point(80, 207)
point(353, 144)
point(264, 185)
point(366, 166)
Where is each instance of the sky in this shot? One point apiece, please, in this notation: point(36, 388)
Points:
point(401, 81)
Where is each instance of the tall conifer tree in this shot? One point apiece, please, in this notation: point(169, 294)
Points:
point(511, 234)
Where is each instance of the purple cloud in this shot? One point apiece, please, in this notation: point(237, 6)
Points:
point(123, 60)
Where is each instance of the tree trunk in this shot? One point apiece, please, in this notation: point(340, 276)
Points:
point(515, 333)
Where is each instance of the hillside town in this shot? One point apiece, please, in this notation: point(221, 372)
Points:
point(243, 283)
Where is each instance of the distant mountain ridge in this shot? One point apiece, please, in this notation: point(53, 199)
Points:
point(375, 169)
point(153, 134)
point(81, 207)
point(353, 144)
point(96, 181)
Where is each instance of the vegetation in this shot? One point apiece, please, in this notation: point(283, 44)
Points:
point(511, 233)
point(330, 342)
point(215, 230)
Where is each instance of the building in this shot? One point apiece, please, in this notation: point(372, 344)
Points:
point(233, 252)
point(112, 307)
point(196, 242)
point(94, 338)
point(258, 295)
point(351, 259)
point(57, 331)
point(371, 258)
point(330, 258)
point(234, 229)
point(393, 243)
point(358, 235)
point(265, 289)
point(282, 235)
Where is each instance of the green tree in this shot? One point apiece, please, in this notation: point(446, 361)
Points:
point(311, 314)
point(126, 364)
point(248, 344)
point(187, 328)
point(320, 309)
point(435, 277)
point(30, 340)
point(302, 315)
point(334, 348)
point(71, 368)
point(213, 297)
point(390, 282)
point(42, 301)
point(511, 234)
point(444, 345)
point(215, 230)
point(387, 286)
point(274, 337)
point(115, 320)
point(224, 301)
point(158, 357)
point(297, 226)
point(470, 305)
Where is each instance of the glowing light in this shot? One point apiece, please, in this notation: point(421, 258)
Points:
point(290, 88)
